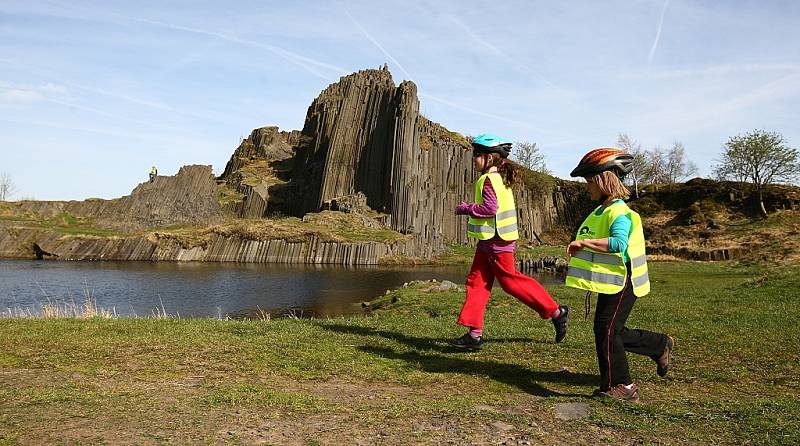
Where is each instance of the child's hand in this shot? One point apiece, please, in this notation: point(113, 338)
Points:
point(462, 209)
point(574, 246)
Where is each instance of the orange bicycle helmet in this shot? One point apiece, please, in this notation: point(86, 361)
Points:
point(602, 159)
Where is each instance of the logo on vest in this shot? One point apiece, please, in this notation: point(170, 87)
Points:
point(585, 231)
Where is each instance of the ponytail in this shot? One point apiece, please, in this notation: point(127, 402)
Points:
point(508, 172)
point(506, 169)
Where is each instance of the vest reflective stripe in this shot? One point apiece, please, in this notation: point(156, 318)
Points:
point(638, 261)
point(593, 276)
point(504, 223)
point(481, 229)
point(598, 257)
point(506, 214)
point(507, 230)
point(605, 272)
point(636, 251)
point(640, 281)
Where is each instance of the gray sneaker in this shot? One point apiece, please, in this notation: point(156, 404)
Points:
point(664, 362)
point(619, 392)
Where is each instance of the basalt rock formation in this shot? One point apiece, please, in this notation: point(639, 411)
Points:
point(259, 167)
point(186, 198)
point(365, 135)
point(364, 149)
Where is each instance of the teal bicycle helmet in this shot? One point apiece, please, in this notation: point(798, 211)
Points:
point(488, 143)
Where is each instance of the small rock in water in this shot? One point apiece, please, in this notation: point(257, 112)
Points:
point(571, 411)
point(364, 304)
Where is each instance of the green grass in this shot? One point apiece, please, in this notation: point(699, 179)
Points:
point(67, 224)
point(63, 223)
point(227, 195)
point(735, 380)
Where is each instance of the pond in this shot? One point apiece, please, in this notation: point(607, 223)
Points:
point(198, 289)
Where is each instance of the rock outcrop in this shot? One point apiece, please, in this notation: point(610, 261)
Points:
point(364, 149)
point(365, 135)
point(16, 243)
point(259, 167)
point(186, 198)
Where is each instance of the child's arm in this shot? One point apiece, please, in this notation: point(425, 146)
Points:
point(484, 210)
point(616, 242)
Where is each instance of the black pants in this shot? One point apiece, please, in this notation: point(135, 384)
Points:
point(612, 338)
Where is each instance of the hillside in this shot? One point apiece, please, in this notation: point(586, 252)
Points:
point(719, 220)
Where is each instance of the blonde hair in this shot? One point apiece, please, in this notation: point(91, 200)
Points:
point(610, 185)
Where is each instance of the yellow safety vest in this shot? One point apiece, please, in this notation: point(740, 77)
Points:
point(504, 223)
point(605, 272)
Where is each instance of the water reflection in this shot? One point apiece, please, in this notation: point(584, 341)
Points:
point(195, 289)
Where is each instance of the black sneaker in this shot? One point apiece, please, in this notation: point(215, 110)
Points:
point(467, 342)
point(561, 323)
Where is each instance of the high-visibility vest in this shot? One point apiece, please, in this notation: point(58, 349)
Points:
point(605, 272)
point(504, 223)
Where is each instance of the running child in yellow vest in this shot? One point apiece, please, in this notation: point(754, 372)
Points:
point(608, 257)
point(493, 221)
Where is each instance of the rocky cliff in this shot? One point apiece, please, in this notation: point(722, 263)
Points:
point(363, 134)
point(186, 198)
point(364, 149)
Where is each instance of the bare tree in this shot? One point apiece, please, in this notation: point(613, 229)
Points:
point(655, 170)
point(527, 155)
point(7, 188)
point(636, 177)
point(676, 166)
point(759, 157)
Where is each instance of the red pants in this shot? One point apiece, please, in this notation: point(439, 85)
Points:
point(485, 268)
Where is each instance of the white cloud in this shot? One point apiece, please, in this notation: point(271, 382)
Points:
point(17, 96)
point(20, 94)
point(53, 88)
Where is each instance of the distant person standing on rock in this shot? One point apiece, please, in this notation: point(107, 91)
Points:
point(608, 257)
point(153, 173)
point(493, 221)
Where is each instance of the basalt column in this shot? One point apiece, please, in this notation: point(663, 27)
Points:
point(343, 147)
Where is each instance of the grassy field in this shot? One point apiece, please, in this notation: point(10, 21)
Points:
point(389, 378)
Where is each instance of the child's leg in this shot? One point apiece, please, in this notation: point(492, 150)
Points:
point(479, 288)
point(609, 321)
point(528, 290)
point(643, 342)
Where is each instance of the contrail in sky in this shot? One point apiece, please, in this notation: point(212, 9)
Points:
point(409, 77)
point(375, 42)
point(510, 60)
point(428, 96)
point(304, 62)
point(115, 95)
point(37, 94)
point(658, 33)
point(482, 113)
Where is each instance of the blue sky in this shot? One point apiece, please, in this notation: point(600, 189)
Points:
point(93, 93)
